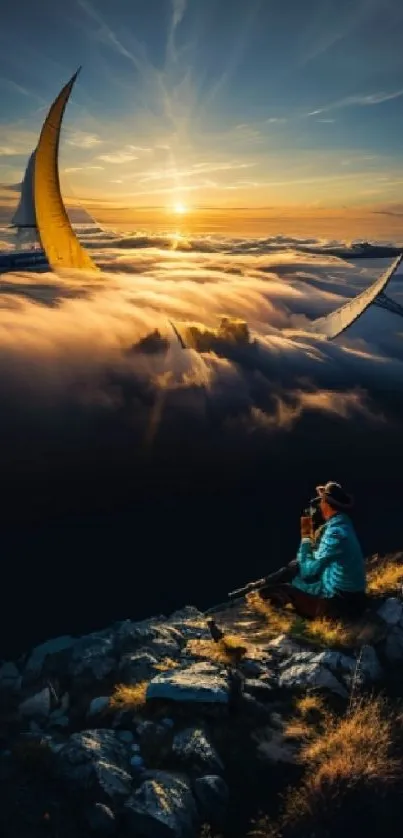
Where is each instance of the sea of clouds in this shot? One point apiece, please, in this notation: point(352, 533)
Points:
point(106, 341)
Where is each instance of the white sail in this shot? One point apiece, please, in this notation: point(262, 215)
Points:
point(338, 321)
point(61, 245)
point(24, 218)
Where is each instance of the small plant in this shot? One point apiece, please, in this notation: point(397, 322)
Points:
point(129, 697)
point(224, 651)
point(166, 663)
point(385, 575)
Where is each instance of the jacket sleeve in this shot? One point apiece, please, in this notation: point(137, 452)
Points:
point(332, 545)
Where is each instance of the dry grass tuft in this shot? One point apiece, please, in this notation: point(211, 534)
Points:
point(349, 762)
point(230, 647)
point(356, 746)
point(385, 576)
point(167, 663)
point(129, 697)
point(310, 703)
point(278, 622)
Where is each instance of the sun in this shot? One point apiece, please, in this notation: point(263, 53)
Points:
point(179, 208)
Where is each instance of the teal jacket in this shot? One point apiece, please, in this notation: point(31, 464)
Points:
point(336, 566)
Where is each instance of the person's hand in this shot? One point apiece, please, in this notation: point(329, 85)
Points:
point(306, 526)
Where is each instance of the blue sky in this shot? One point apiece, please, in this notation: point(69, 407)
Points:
point(210, 102)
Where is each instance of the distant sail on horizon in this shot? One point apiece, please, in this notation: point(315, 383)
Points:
point(61, 245)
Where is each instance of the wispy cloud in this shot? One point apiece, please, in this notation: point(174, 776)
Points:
point(16, 88)
point(80, 139)
point(118, 157)
point(359, 101)
point(140, 148)
point(178, 12)
point(196, 170)
point(8, 151)
point(82, 168)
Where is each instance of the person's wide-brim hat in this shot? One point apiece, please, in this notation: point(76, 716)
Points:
point(335, 495)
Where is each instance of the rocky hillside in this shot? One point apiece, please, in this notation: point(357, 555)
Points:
point(154, 729)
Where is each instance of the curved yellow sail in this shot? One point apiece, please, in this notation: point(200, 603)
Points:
point(58, 239)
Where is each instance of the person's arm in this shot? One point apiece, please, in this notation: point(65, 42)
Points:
point(312, 562)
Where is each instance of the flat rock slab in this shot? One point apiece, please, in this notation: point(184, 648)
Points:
point(200, 682)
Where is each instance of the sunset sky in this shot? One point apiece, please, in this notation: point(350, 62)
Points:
point(246, 108)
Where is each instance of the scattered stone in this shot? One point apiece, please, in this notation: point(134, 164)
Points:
point(137, 762)
point(59, 721)
point(391, 611)
point(160, 639)
point(260, 690)
point(95, 759)
point(93, 659)
point(162, 807)
point(199, 682)
point(192, 747)
point(394, 645)
point(98, 705)
point(37, 706)
point(101, 819)
point(50, 648)
point(252, 668)
point(125, 736)
point(10, 677)
point(312, 675)
point(368, 663)
point(283, 646)
point(212, 796)
point(137, 666)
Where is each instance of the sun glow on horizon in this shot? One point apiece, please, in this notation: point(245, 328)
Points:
point(179, 208)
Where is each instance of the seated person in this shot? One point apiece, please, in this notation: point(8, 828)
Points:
point(328, 577)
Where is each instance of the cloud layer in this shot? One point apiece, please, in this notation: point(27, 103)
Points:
point(104, 347)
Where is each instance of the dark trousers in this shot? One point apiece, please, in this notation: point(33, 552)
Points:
point(279, 591)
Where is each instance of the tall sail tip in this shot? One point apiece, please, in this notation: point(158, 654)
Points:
point(76, 74)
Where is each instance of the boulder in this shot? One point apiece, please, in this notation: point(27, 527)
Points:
point(96, 760)
point(212, 796)
point(98, 705)
point(137, 666)
point(192, 747)
point(200, 682)
point(125, 736)
point(93, 659)
point(155, 741)
point(10, 677)
point(283, 646)
point(391, 611)
point(160, 639)
point(394, 645)
point(37, 705)
point(55, 648)
point(162, 807)
point(310, 675)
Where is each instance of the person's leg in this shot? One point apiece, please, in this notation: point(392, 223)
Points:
point(305, 605)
